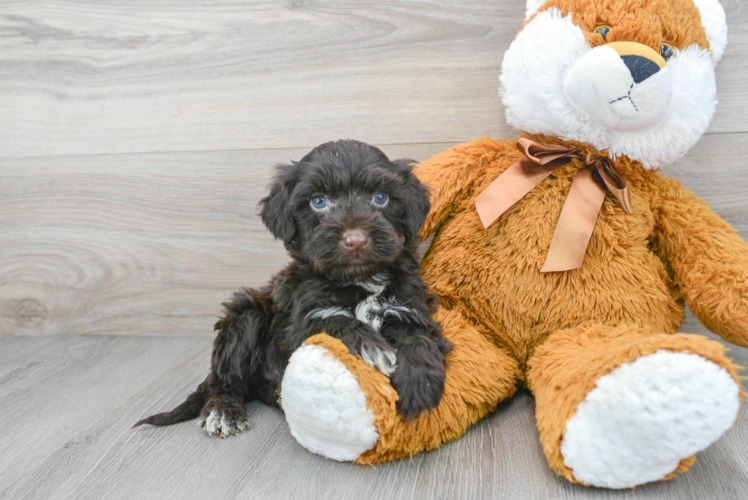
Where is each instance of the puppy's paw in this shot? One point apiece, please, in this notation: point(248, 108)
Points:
point(224, 419)
point(379, 356)
point(419, 380)
point(418, 392)
point(367, 344)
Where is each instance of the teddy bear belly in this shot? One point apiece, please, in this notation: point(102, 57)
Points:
point(495, 279)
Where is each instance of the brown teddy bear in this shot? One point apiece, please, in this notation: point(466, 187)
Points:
point(563, 260)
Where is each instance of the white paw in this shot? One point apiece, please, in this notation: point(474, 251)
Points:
point(384, 361)
point(325, 406)
point(644, 417)
point(219, 424)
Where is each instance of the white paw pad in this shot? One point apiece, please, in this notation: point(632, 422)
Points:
point(645, 416)
point(325, 406)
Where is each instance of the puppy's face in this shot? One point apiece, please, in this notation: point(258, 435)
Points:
point(346, 209)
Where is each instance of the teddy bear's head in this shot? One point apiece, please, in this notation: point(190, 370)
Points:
point(633, 77)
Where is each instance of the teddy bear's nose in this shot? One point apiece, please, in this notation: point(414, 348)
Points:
point(640, 67)
point(642, 61)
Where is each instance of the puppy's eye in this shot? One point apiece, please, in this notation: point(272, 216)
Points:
point(666, 50)
point(381, 199)
point(603, 30)
point(318, 202)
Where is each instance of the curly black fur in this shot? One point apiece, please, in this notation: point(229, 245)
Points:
point(369, 295)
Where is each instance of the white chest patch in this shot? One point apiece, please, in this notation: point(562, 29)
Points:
point(375, 308)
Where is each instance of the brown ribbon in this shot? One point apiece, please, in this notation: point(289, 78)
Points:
point(586, 195)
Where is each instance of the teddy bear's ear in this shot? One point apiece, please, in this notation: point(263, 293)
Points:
point(532, 7)
point(715, 24)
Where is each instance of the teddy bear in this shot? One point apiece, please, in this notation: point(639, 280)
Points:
point(562, 260)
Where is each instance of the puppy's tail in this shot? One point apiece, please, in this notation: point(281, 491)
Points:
point(186, 411)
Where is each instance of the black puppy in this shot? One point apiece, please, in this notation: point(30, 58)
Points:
point(349, 218)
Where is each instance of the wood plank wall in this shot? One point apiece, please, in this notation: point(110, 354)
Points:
point(136, 138)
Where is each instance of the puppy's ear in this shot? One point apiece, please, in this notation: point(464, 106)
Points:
point(275, 207)
point(416, 199)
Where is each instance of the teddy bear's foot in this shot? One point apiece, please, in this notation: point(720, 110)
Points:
point(646, 416)
point(325, 406)
point(619, 407)
point(342, 408)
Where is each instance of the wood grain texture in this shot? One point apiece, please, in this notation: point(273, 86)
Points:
point(135, 244)
point(69, 402)
point(136, 139)
point(148, 244)
point(156, 75)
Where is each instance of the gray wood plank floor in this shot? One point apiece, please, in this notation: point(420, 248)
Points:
point(136, 139)
point(69, 402)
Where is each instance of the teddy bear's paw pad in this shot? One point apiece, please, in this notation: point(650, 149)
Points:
point(325, 406)
point(645, 416)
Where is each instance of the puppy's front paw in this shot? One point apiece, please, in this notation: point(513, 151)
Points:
point(380, 356)
point(418, 392)
point(224, 419)
point(419, 379)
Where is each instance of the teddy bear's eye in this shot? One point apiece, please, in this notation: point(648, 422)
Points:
point(666, 50)
point(603, 30)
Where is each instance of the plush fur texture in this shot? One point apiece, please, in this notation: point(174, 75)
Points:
point(711, 15)
point(561, 334)
point(480, 375)
point(602, 447)
point(715, 25)
point(674, 108)
point(628, 296)
point(532, 7)
point(343, 426)
point(349, 218)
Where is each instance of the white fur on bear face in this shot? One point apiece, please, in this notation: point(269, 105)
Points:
point(533, 79)
point(714, 21)
point(600, 86)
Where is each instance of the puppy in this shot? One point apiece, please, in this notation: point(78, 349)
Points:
point(349, 217)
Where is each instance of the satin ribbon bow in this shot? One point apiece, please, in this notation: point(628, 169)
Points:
point(586, 195)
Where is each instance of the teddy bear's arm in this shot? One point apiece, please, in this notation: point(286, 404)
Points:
point(708, 258)
point(452, 175)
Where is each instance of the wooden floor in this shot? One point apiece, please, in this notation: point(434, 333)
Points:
point(69, 403)
point(136, 139)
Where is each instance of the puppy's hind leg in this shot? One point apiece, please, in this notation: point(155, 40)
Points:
point(224, 415)
point(238, 353)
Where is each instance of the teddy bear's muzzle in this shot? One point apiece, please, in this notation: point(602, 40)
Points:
point(621, 86)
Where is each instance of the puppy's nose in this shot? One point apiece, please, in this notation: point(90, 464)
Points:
point(641, 60)
point(355, 240)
